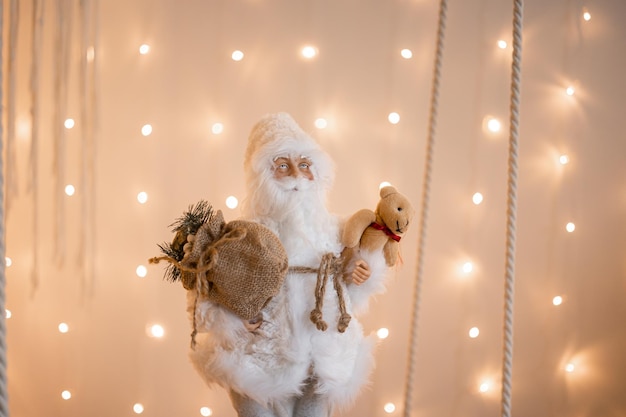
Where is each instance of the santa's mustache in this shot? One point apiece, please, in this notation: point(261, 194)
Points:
point(283, 198)
point(294, 184)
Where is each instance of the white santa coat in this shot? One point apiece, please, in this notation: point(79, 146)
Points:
point(270, 364)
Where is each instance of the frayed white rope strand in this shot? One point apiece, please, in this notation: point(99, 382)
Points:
point(432, 124)
point(12, 187)
point(507, 355)
point(91, 35)
point(86, 255)
point(4, 403)
point(62, 46)
point(33, 182)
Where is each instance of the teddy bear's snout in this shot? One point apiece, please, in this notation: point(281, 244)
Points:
point(401, 229)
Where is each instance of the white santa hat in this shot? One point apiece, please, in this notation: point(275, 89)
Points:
point(278, 135)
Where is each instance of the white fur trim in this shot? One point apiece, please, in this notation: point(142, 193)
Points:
point(263, 365)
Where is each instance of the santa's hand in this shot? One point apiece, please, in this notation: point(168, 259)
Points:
point(361, 272)
point(254, 323)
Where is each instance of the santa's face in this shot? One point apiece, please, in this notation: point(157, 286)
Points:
point(287, 194)
point(292, 173)
point(295, 208)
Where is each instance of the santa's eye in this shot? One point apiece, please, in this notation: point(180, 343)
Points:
point(304, 165)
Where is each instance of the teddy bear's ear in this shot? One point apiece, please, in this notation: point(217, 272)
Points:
point(387, 191)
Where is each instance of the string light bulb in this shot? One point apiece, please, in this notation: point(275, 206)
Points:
point(474, 332)
point(206, 412)
point(217, 128)
point(564, 159)
point(144, 49)
point(383, 184)
point(23, 128)
point(70, 190)
point(138, 408)
point(237, 55)
point(382, 333)
point(309, 52)
point(7, 313)
point(146, 130)
point(141, 271)
point(157, 331)
point(492, 124)
point(69, 123)
point(389, 408)
point(393, 118)
point(91, 54)
point(484, 386)
point(557, 300)
point(406, 53)
point(232, 202)
point(142, 197)
point(570, 227)
point(467, 267)
point(477, 198)
point(570, 367)
point(66, 395)
point(8, 261)
point(570, 91)
point(321, 123)
point(64, 328)
point(502, 44)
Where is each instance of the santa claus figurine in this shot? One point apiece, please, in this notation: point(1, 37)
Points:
point(287, 362)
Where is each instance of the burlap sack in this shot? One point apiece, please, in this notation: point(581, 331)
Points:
point(240, 265)
point(245, 266)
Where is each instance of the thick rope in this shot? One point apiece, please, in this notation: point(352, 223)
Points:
point(344, 317)
point(320, 289)
point(200, 269)
point(432, 124)
point(507, 354)
point(4, 403)
point(330, 266)
point(201, 288)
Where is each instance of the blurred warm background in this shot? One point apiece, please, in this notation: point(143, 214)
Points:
point(161, 103)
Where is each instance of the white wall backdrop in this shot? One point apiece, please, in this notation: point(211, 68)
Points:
point(73, 259)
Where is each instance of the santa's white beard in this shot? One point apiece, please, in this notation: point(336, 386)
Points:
point(295, 209)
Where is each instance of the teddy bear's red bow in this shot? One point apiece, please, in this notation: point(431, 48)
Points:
point(387, 231)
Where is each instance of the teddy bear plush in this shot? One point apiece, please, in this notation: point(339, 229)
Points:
point(371, 231)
